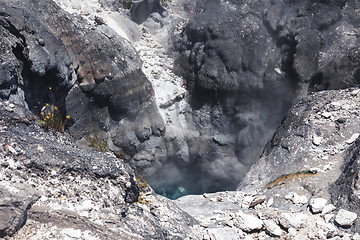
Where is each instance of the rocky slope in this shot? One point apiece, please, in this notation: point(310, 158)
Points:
point(50, 189)
point(205, 129)
point(305, 184)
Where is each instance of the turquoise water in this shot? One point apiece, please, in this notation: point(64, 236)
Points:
point(172, 192)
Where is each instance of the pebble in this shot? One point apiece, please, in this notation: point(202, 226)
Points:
point(356, 236)
point(272, 228)
point(352, 138)
point(317, 140)
point(292, 231)
point(317, 204)
point(292, 220)
point(10, 149)
point(355, 92)
point(247, 223)
point(270, 202)
point(248, 237)
point(345, 218)
point(296, 199)
point(328, 209)
point(222, 233)
point(326, 115)
point(346, 237)
point(87, 205)
point(74, 233)
point(328, 217)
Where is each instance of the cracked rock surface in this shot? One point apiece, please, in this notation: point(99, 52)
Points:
point(50, 189)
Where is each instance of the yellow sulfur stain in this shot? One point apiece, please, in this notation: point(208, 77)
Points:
point(286, 177)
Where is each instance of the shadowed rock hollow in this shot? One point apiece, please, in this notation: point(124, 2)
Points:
point(250, 104)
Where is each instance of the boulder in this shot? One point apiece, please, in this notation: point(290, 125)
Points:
point(345, 218)
point(141, 9)
point(344, 191)
point(15, 202)
point(291, 155)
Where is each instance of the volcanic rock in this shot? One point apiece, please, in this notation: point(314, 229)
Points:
point(345, 218)
point(78, 192)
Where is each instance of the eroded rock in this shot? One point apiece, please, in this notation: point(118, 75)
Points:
point(15, 202)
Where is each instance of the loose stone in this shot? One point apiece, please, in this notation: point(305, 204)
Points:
point(247, 223)
point(272, 228)
point(317, 204)
point(345, 218)
point(328, 209)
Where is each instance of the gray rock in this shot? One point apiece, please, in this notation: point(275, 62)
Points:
point(32, 61)
point(80, 191)
point(344, 190)
point(345, 218)
point(296, 199)
point(222, 233)
point(329, 77)
point(356, 236)
point(317, 204)
point(247, 222)
point(15, 201)
point(292, 220)
point(112, 5)
point(272, 228)
point(99, 20)
point(141, 9)
point(328, 209)
point(283, 157)
point(257, 200)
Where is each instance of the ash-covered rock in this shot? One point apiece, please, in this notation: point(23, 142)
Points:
point(247, 66)
point(293, 149)
point(229, 215)
point(33, 58)
point(15, 201)
point(322, 173)
point(50, 188)
point(345, 190)
point(52, 57)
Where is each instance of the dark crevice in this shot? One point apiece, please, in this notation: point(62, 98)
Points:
point(13, 30)
point(317, 83)
point(288, 50)
point(326, 26)
point(39, 90)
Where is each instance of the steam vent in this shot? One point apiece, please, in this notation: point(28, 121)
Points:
point(179, 119)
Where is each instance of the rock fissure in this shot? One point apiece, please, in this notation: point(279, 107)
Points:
point(204, 130)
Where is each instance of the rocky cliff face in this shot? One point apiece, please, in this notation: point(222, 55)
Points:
point(248, 65)
point(205, 129)
point(63, 61)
